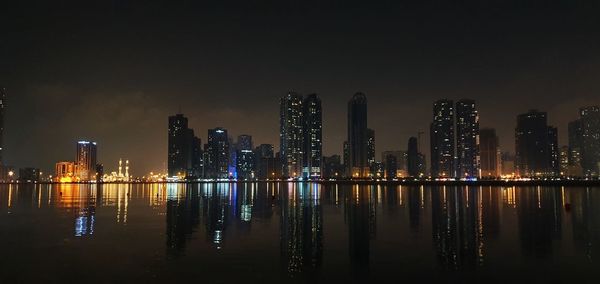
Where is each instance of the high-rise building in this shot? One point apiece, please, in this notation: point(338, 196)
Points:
point(244, 142)
point(442, 139)
point(346, 156)
point(245, 158)
point(291, 134)
point(414, 159)
point(358, 165)
point(2, 106)
point(590, 147)
point(371, 151)
point(197, 158)
point(535, 145)
point(564, 161)
point(218, 153)
point(467, 139)
point(391, 166)
point(489, 149)
point(313, 138)
point(575, 147)
point(553, 151)
point(86, 160)
point(264, 154)
point(180, 146)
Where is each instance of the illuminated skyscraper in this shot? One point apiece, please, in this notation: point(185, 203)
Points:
point(490, 153)
point(554, 151)
point(2, 106)
point(264, 157)
point(575, 147)
point(535, 145)
point(467, 139)
point(371, 151)
point(415, 161)
point(178, 161)
point(442, 139)
point(313, 139)
point(86, 160)
point(590, 147)
point(245, 158)
point(291, 134)
point(185, 157)
point(357, 164)
point(218, 153)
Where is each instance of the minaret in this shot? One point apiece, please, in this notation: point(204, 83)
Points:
point(120, 167)
point(126, 170)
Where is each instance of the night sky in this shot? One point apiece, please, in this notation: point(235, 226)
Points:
point(112, 71)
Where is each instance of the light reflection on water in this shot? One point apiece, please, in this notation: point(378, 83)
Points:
point(301, 232)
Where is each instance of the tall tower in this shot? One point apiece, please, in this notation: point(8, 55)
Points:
point(358, 166)
point(86, 160)
point(218, 153)
point(313, 138)
point(180, 146)
point(590, 127)
point(467, 139)
point(291, 134)
point(371, 151)
point(490, 153)
point(442, 139)
point(534, 140)
point(413, 157)
point(2, 106)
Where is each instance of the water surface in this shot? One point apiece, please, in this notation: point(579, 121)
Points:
point(297, 232)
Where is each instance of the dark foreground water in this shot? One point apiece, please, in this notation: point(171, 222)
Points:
point(287, 232)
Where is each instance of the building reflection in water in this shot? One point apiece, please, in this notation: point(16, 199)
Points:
point(585, 217)
point(360, 217)
point(183, 216)
point(539, 212)
point(301, 228)
point(465, 221)
point(457, 226)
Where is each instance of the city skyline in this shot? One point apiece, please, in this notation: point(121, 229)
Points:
point(113, 73)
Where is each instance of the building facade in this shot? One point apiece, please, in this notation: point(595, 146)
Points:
point(534, 150)
point(442, 139)
point(313, 137)
point(358, 166)
point(489, 149)
point(467, 139)
point(86, 160)
point(291, 134)
point(218, 153)
point(590, 147)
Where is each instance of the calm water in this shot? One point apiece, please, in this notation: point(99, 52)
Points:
point(269, 232)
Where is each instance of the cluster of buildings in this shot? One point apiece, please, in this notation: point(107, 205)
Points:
point(459, 147)
point(85, 167)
